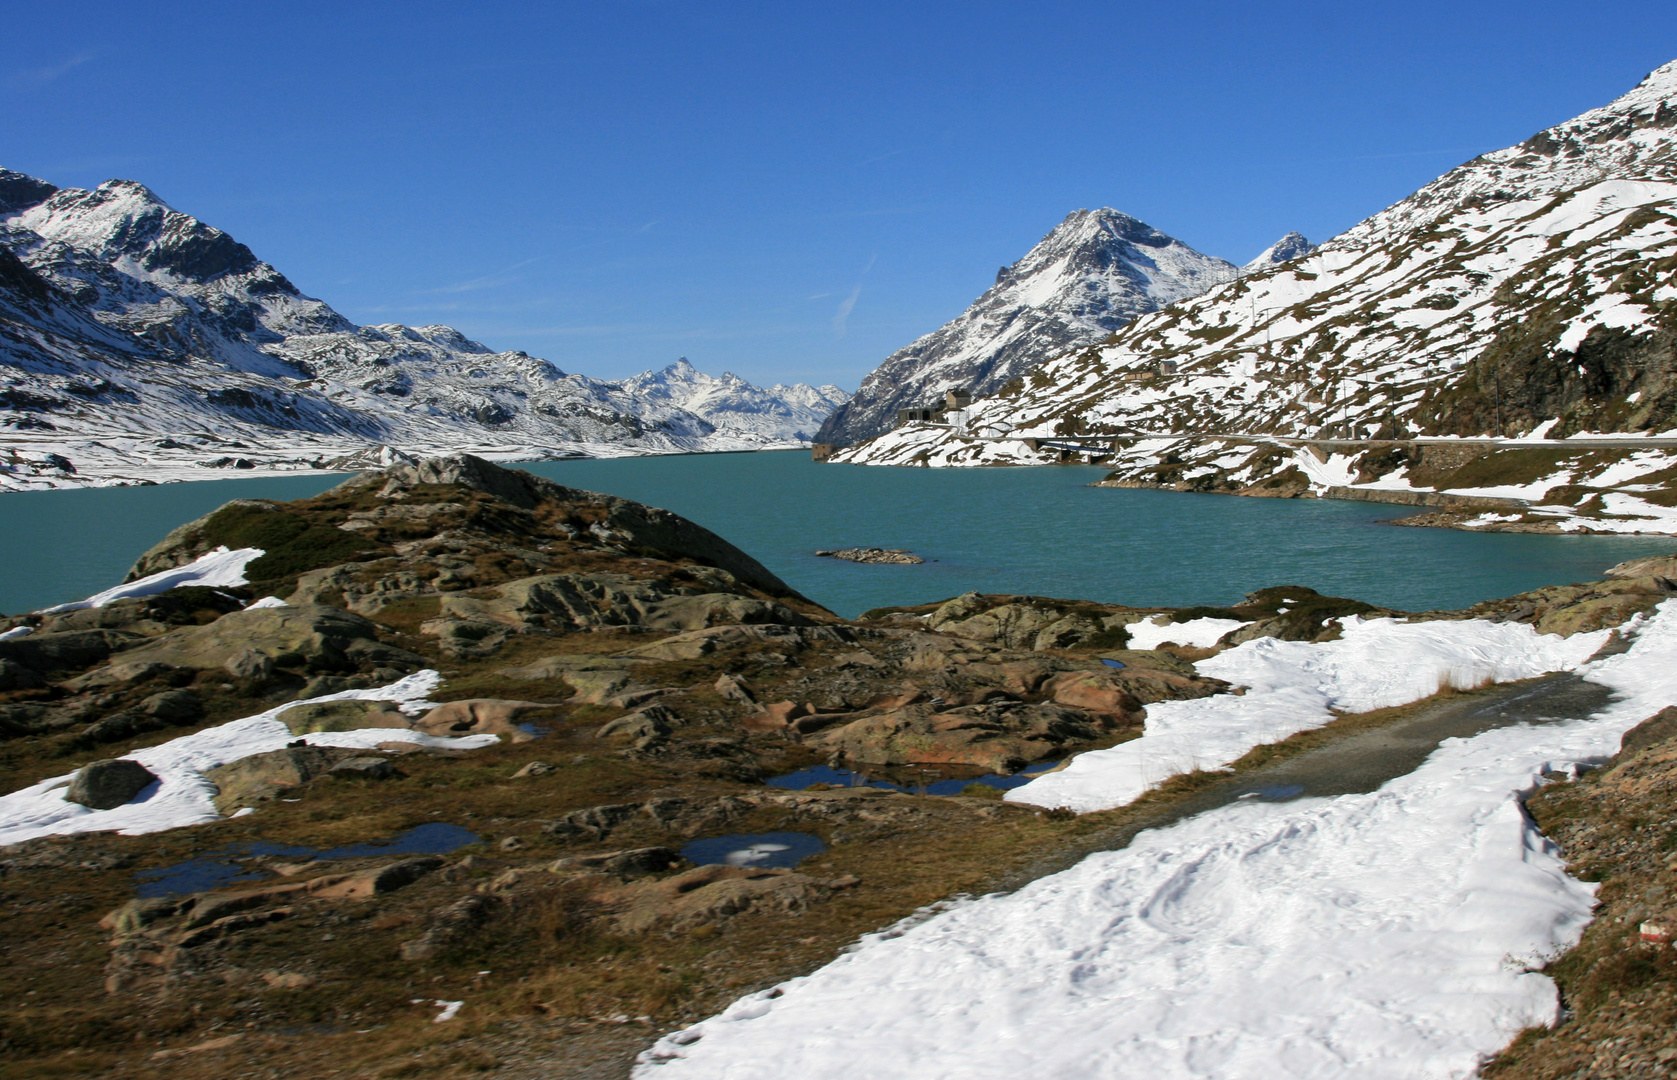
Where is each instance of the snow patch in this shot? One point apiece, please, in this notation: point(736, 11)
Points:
point(182, 796)
point(218, 568)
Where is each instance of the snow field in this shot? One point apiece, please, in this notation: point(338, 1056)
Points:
point(182, 796)
point(1379, 935)
point(1293, 686)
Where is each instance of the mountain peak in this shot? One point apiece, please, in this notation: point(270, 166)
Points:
point(1094, 272)
point(1291, 246)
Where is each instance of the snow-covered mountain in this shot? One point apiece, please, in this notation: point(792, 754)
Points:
point(150, 339)
point(1531, 291)
point(1291, 246)
point(785, 413)
point(1094, 273)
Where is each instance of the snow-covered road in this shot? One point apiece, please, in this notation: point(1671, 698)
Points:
point(1385, 934)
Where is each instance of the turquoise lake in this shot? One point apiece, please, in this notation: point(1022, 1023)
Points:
point(1041, 531)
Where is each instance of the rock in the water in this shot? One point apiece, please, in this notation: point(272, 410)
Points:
point(106, 785)
point(874, 555)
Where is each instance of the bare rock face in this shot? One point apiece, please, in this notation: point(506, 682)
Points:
point(1657, 566)
point(106, 785)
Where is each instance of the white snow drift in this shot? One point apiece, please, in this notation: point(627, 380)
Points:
point(220, 568)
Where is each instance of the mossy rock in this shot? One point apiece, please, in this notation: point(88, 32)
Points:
point(350, 715)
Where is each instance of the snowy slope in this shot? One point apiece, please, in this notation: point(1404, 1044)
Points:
point(1530, 290)
point(138, 342)
point(1095, 272)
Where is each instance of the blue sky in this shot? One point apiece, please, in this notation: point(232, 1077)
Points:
point(789, 191)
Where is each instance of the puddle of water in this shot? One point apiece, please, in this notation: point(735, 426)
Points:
point(1112, 663)
point(924, 784)
point(538, 730)
point(239, 862)
point(754, 849)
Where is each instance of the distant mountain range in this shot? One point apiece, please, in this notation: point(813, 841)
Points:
point(1094, 273)
point(1529, 292)
point(127, 322)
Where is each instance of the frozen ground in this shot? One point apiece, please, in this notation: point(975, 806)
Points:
point(1388, 934)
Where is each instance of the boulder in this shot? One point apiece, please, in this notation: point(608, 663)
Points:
point(628, 865)
point(479, 716)
point(734, 688)
point(350, 715)
point(313, 637)
point(1658, 728)
point(1002, 737)
point(654, 721)
point(174, 706)
point(272, 775)
point(365, 768)
point(14, 676)
point(108, 784)
point(67, 650)
point(707, 895)
point(1095, 691)
point(535, 768)
point(775, 717)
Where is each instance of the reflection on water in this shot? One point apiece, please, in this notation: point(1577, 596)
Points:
point(754, 849)
point(243, 862)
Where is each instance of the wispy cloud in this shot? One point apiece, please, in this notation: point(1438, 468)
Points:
point(819, 296)
point(841, 318)
point(504, 276)
point(43, 75)
point(872, 160)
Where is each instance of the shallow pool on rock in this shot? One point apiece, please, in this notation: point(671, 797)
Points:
point(754, 849)
point(244, 862)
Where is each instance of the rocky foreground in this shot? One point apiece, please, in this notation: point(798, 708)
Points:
point(641, 678)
